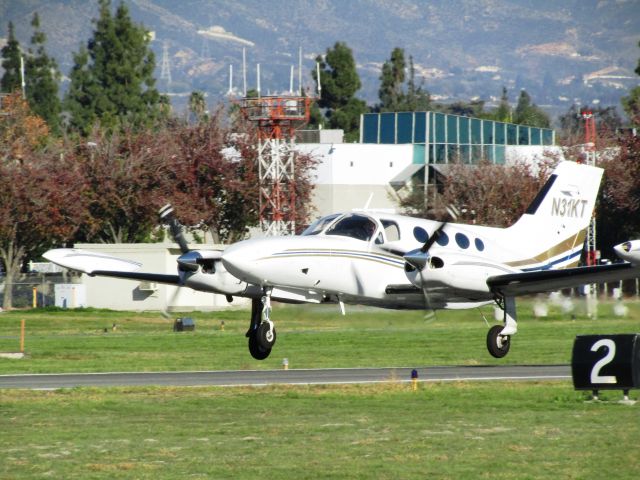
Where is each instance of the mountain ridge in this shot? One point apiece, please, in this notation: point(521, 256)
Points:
point(560, 53)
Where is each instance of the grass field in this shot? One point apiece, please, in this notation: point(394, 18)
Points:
point(496, 430)
point(309, 337)
point(442, 431)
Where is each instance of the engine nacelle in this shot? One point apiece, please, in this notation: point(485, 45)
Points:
point(459, 272)
point(209, 274)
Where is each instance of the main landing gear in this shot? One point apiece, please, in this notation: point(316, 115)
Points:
point(499, 336)
point(261, 333)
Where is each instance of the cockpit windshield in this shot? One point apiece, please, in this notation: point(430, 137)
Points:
point(359, 227)
point(316, 227)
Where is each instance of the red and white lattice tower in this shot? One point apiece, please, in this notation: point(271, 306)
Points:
point(590, 159)
point(277, 118)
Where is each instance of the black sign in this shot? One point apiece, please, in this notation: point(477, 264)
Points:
point(606, 362)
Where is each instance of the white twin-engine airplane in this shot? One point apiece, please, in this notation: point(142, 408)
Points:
point(397, 262)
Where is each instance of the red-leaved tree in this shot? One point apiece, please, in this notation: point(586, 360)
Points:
point(41, 205)
point(484, 194)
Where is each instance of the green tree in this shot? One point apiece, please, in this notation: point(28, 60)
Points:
point(417, 99)
point(42, 76)
point(392, 94)
point(503, 112)
point(340, 82)
point(198, 106)
point(527, 113)
point(81, 97)
point(11, 63)
point(631, 105)
point(392, 79)
point(113, 81)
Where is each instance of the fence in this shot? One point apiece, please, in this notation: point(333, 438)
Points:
point(34, 289)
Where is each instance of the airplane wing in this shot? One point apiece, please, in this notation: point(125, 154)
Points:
point(94, 263)
point(142, 276)
point(514, 284)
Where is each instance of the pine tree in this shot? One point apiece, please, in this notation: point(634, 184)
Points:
point(340, 82)
point(113, 80)
point(11, 80)
point(503, 112)
point(417, 99)
point(527, 113)
point(82, 94)
point(391, 81)
point(42, 76)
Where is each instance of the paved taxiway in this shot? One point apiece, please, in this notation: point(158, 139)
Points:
point(289, 377)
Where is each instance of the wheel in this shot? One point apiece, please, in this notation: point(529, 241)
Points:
point(498, 345)
point(265, 336)
point(257, 351)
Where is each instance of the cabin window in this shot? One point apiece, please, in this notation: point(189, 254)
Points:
point(462, 240)
point(391, 230)
point(443, 239)
point(479, 244)
point(420, 234)
point(354, 226)
point(319, 225)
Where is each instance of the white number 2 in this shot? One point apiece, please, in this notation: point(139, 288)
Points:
point(595, 372)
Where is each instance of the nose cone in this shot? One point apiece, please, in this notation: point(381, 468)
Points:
point(629, 251)
point(239, 260)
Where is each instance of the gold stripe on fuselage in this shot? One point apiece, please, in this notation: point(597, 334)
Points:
point(563, 247)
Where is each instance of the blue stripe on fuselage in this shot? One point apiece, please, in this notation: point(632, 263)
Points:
point(549, 265)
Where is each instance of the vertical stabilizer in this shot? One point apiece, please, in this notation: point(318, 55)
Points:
point(553, 229)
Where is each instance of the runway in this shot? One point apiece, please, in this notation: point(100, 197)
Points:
point(289, 377)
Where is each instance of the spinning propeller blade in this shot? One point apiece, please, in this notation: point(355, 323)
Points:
point(167, 216)
point(419, 259)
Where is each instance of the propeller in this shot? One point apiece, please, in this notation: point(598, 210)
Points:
point(190, 261)
point(418, 259)
point(167, 217)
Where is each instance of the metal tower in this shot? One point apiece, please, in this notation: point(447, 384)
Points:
point(277, 118)
point(165, 67)
point(590, 159)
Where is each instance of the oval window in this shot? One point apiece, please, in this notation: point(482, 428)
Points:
point(443, 239)
point(420, 234)
point(479, 244)
point(462, 240)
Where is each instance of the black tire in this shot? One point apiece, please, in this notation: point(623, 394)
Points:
point(265, 339)
point(497, 344)
point(257, 351)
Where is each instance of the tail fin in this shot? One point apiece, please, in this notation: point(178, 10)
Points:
point(553, 229)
